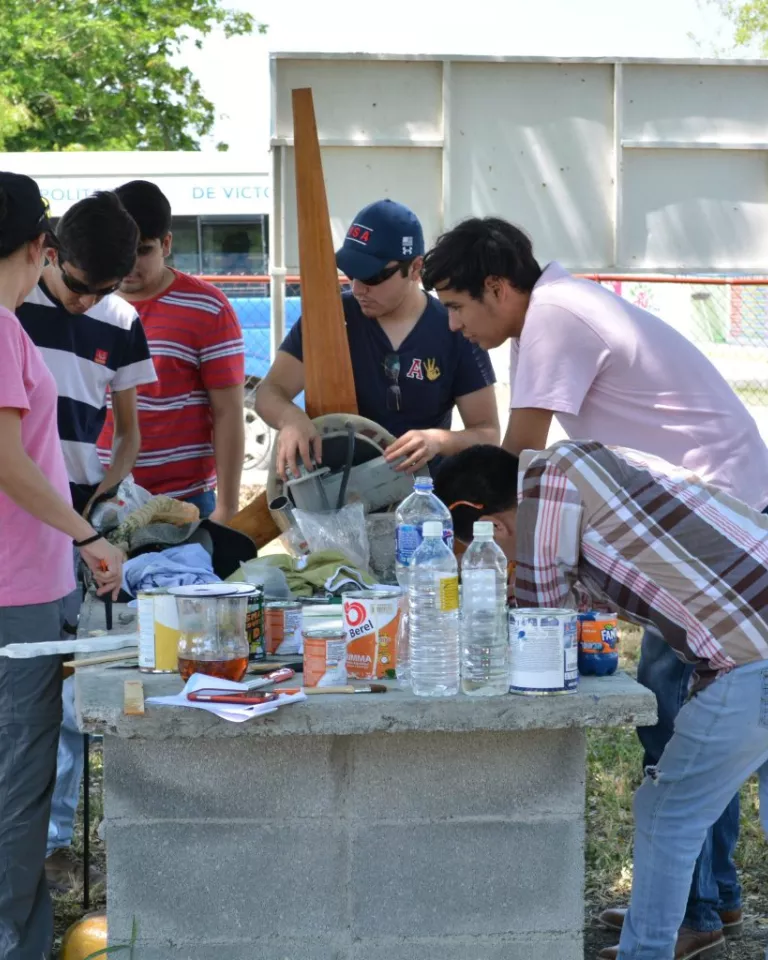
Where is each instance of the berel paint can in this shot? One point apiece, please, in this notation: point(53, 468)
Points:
point(325, 657)
point(254, 626)
point(543, 651)
point(371, 623)
point(158, 632)
point(282, 627)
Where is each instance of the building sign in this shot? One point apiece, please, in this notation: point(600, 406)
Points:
point(190, 195)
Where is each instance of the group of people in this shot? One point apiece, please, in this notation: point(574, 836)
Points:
point(654, 505)
point(111, 364)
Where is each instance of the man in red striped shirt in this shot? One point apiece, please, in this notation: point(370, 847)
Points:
point(191, 420)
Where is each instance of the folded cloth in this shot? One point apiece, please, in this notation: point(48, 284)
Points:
point(325, 570)
point(176, 567)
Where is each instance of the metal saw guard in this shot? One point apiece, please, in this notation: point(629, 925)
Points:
point(371, 440)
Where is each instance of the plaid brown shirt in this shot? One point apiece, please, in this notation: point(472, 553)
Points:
point(653, 542)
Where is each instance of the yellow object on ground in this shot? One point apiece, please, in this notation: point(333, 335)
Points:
point(85, 937)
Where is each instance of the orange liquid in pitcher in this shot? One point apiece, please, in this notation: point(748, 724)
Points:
point(223, 669)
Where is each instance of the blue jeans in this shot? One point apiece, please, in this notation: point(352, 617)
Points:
point(714, 885)
point(720, 739)
point(205, 502)
point(71, 752)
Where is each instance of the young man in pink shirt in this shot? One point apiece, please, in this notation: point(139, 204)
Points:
point(613, 373)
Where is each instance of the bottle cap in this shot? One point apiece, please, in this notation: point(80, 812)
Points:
point(483, 528)
point(433, 528)
point(424, 482)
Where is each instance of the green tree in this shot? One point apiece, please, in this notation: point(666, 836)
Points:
point(101, 74)
point(750, 21)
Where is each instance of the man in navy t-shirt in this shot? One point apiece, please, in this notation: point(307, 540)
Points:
point(410, 370)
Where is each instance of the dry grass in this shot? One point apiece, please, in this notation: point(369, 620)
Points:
point(614, 762)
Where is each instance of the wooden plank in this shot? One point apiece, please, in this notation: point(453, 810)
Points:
point(256, 522)
point(329, 385)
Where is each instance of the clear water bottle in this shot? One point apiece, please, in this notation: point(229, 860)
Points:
point(484, 631)
point(433, 596)
point(421, 505)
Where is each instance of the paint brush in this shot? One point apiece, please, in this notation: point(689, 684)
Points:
point(370, 688)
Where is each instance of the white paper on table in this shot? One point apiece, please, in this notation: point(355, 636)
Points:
point(110, 641)
point(227, 711)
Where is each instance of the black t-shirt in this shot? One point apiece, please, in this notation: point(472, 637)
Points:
point(436, 367)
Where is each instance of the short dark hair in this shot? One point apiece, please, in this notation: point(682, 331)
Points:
point(98, 236)
point(478, 248)
point(477, 482)
point(148, 206)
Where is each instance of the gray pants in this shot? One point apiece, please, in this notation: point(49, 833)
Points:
point(30, 715)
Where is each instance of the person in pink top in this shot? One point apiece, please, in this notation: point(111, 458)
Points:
point(38, 527)
point(611, 372)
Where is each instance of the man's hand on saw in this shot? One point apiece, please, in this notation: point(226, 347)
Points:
point(417, 446)
point(298, 436)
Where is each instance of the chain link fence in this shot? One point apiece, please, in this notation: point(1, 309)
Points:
point(726, 317)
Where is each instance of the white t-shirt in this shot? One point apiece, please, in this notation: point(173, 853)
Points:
point(615, 373)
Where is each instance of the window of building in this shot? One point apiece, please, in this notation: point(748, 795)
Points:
point(185, 253)
point(234, 247)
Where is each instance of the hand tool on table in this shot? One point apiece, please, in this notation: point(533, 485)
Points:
point(369, 688)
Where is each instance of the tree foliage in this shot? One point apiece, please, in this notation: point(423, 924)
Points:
point(750, 21)
point(104, 74)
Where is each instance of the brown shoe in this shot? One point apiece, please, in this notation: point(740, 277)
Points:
point(64, 872)
point(690, 944)
point(733, 920)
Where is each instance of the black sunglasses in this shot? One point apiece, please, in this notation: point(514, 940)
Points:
point(82, 289)
point(392, 370)
point(386, 273)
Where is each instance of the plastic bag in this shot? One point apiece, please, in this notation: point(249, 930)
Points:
point(110, 514)
point(343, 530)
point(262, 573)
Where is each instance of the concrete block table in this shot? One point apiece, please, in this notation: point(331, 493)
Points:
point(381, 827)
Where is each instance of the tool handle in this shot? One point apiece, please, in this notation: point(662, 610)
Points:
point(315, 690)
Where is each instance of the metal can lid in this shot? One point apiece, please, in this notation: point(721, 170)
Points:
point(283, 604)
point(385, 594)
point(213, 590)
point(324, 633)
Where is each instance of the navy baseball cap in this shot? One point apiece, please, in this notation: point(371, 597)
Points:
point(381, 232)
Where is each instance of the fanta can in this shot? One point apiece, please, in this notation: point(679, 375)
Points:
point(598, 637)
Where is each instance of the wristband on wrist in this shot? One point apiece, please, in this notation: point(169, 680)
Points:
point(90, 540)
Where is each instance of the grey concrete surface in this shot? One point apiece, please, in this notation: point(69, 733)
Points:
point(381, 827)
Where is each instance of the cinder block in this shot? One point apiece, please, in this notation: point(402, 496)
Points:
point(286, 948)
point(515, 775)
point(246, 778)
point(472, 878)
point(224, 883)
point(567, 947)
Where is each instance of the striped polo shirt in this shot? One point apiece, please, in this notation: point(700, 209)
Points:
point(654, 542)
point(88, 354)
point(197, 345)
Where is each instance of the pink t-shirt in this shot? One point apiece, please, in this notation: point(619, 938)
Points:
point(615, 373)
point(36, 561)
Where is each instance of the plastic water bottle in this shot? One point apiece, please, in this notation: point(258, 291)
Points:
point(434, 616)
point(484, 631)
point(421, 505)
point(418, 507)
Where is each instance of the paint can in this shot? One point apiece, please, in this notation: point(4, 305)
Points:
point(371, 623)
point(543, 651)
point(325, 657)
point(255, 628)
point(158, 632)
point(282, 627)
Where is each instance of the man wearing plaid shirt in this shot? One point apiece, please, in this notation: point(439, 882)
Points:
point(661, 548)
